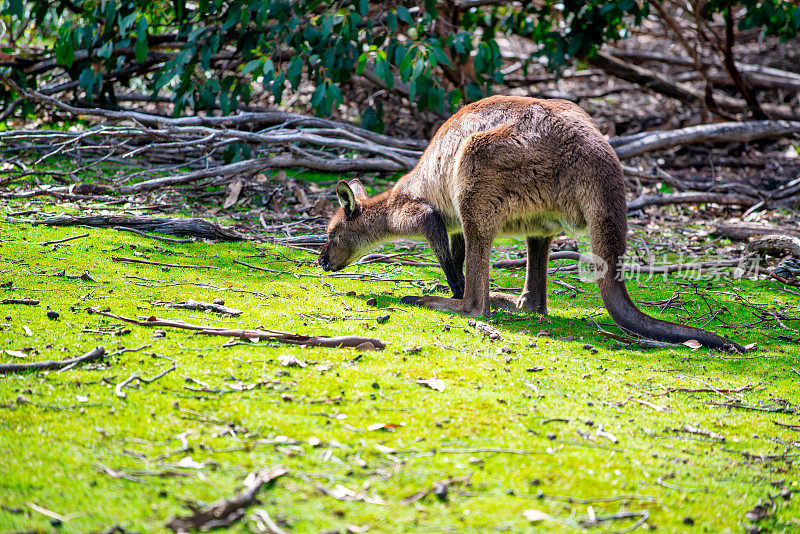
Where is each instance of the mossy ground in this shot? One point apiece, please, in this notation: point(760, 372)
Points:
point(523, 423)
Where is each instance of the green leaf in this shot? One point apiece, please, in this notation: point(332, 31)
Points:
point(126, 22)
point(363, 7)
point(384, 71)
point(208, 49)
point(268, 69)
point(111, 13)
point(224, 103)
point(64, 46)
point(197, 32)
point(294, 71)
point(180, 8)
point(419, 67)
point(231, 21)
point(440, 56)
point(15, 8)
point(336, 94)
point(251, 66)
point(362, 63)
point(454, 98)
point(369, 119)
point(141, 40)
point(474, 92)
point(318, 96)
point(405, 64)
point(278, 87)
point(87, 80)
point(105, 50)
point(404, 15)
point(327, 24)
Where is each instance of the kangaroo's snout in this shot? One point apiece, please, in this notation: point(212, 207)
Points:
point(324, 263)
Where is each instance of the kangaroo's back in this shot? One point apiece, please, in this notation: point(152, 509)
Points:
point(554, 143)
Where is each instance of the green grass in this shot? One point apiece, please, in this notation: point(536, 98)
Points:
point(57, 429)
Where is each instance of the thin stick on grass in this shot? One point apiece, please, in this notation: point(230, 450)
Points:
point(94, 354)
point(148, 262)
point(121, 394)
point(57, 241)
point(364, 343)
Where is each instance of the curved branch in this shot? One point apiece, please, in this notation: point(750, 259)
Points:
point(721, 132)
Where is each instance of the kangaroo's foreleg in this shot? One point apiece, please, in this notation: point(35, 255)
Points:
point(433, 228)
point(476, 288)
point(457, 250)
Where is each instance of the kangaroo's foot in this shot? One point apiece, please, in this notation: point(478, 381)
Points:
point(503, 301)
point(444, 304)
point(529, 303)
point(524, 303)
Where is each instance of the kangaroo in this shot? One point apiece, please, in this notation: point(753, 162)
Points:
point(514, 166)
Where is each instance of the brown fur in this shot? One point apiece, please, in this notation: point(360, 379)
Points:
point(506, 165)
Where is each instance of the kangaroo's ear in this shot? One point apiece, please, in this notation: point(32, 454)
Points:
point(357, 187)
point(347, 198)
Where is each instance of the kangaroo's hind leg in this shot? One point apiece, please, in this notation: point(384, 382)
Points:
point(534, 294)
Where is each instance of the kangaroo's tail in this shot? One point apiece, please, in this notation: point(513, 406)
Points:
point(607, 231)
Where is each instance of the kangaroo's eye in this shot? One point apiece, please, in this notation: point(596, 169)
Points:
point(331, 236)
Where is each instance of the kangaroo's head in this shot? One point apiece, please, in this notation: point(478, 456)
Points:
point(349, 233)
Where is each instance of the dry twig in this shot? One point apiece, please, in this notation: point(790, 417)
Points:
point(225, 512)
point(361, 343)
point(94, 354)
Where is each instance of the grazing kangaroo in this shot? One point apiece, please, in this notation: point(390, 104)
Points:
point(506, 165)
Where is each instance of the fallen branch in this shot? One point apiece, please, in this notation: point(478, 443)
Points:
point(692, 197)
point(757, 75)
point(264, 118)
point(165, 225)
point(723, 132)
point(225, 512)
point(265, 522)
point(292, 141)
point(23, 301)
point(94, 354)
point(743, 231)
point(776, 245)
point(361, 343)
